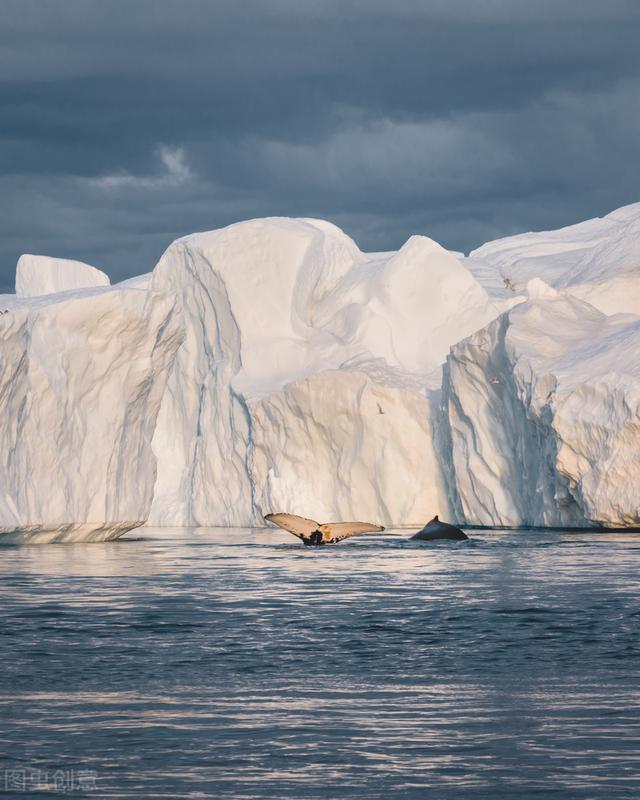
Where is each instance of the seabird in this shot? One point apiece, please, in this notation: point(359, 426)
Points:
point(313, 533)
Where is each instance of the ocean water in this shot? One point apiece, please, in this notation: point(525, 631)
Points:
point(207, 663)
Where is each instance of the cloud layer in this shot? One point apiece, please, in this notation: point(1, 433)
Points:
point(127, 124)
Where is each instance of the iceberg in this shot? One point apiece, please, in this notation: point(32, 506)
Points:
point(294, 341)
point(543, 408)
point(273, 366)
point(82, 376)
point(596, 260)
point(39, 275)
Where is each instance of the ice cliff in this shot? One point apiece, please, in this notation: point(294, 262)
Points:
point(82, 375)
point(271, 365)
point(309, 374)
point(543, 408)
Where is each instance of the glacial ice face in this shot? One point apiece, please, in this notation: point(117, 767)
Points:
point(544, 412)
point(248, 294)
point(273, 408)
point(79, 403)
point(273, 366)
point(39, 275)
point(271, 308)
point(201, 438)
point(340, 445)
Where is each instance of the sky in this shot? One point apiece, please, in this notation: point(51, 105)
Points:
point(125, 124)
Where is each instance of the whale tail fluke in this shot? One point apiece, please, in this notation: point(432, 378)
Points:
point(298, 526)
point(344, 530)
point(312, 532)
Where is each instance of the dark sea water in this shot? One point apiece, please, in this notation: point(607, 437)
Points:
point(240, 664)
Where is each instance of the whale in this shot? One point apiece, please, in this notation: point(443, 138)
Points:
point(435, 529)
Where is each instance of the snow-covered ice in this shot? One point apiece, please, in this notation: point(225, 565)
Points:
point(597, 260)
point(273, 366)
point(38, 275)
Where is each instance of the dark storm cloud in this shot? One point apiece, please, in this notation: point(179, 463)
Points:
point(126, 124)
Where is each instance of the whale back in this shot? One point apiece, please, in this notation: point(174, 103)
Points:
point(435, 529)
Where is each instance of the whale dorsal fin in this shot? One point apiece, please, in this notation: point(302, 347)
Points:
point(435, 519)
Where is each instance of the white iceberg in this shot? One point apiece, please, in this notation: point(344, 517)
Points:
point(291, 332)
point(82, 375)
point(273, 366)
point(543, 408)
point(597, 260)
point(39, 275)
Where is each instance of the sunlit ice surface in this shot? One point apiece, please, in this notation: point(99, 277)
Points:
point(239, 663)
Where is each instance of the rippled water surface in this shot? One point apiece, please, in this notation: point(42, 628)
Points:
point(239, 664)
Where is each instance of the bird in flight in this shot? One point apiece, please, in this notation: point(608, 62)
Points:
point(313, 533)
